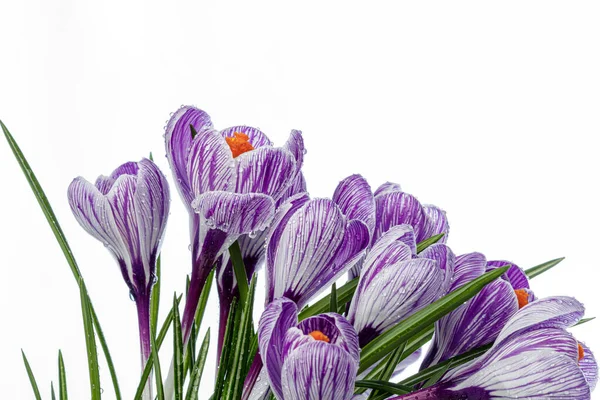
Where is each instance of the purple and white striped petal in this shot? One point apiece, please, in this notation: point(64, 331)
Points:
point(388, 187)
point(551, 312)
point(476, 323)
point(232, 213)
point(395, 292)
point(295, 145)
point(589, 366)
point(354, 197)
point(255, 136)
point(318, 371)
point(310, 248)
point(396, 208)
point(267, 170)
point(466, 268)
point(515, 275)
point(276, 320)
point(178, 139)
point(436, 223)
point(210, 164)
point(297, 186)
point(93, 212)
point(445, 258)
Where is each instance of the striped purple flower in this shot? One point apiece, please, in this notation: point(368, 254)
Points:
point(315, 359)
point(533, 357)
point(479, 320)
point(395, 282)
point(230, 181)
point(127, 211)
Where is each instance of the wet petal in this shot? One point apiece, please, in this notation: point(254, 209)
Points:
point(295, 145)
point(276, 320)
point(398, 208)
point(445, 258)
point(515, 275)
point(318, 371)
point(178, 139)
point(268, 170)
point(436, 223)
point(337, 328)
point(255, 136)
point(388, 187)
point(589, 366)
point(354, 197)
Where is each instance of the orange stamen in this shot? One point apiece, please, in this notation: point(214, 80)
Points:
point(581, 351)
point(522, 297)
point(318, 335)
point(239, 143)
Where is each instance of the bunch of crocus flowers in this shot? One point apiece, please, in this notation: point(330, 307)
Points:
point(474, 324)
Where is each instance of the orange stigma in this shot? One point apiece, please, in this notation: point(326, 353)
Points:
point(318, 335)
point(581, 351)
point(239, 143)
point(522, 297)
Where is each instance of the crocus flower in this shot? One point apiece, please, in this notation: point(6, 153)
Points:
point(392, 207)
point(229, 181)
point(127, 211)
point(315, 359)
point(533, 357)
point(480, 319)
point(310, 244)
point(395, 282)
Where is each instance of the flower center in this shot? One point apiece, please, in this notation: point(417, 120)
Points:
point(522, 297)
point(239, 143)
point(318, 335)
point(581, 351)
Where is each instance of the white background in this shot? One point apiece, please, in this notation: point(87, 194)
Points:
point(489, 110)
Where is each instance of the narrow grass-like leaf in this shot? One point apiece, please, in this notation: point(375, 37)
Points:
point(584, 320)
point(422, 319)
point(437, 376)
point(225, 354)
point(160, 392)
point(445, 365)
point(52, 394)
point(166, 325)
point(34, 385)
point(240, 271)
point(196, 375)
point(177, 351)
point(333, 303)
point(237, 370)
point(155, 299)
point(540, 269)
point(389, 366)
point(58, 234)
point(90, 343)
point(388, 387)
point(428, 242)
point(344, 295)
point(107, 356)
point(62, 378)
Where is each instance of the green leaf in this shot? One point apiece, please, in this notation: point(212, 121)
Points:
point(584, 320)
point(237, 370)
point(437, 376)
point(240, 271)
point(428, 242)
point(90, 343)
point(453, 362)
point(166, 325)
point(198, 317)
point(107, 356)
point(177, 351)
point(333, 303)
point(196, 375)
point(389, 366)
point(344, 295)
point(52, 394)
point(225, 358)
point(388, 387)
point(155, 299)
point(422, 319)
point(540, 269)
point(57, 230)
point(62, 378)
point(160, 392)
point(34, 384)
